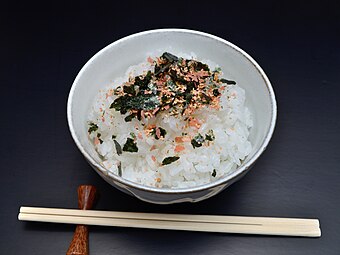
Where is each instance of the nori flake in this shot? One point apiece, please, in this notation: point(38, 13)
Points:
point(197, 141)
point(118, 147)
point(93, 127)
point(130, 145)
point(169, 160)
point(229, 82)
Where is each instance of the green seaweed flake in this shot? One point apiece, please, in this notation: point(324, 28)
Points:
point(169, 160)
point(210, 135)
point(93, 127)
point(197, 141)
point(130, 145)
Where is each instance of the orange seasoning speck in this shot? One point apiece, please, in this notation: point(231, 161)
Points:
point(151, 126)
point(178, 139)
point(179, 148)
point(153, 158)
point(194, 123)
point(186, 139)
point(140, 136)
point(96, 141)
point(150, 60)
point(182, 139)
point(154, 111)
point(158, 133)
point(142, 114)
point(110, 92)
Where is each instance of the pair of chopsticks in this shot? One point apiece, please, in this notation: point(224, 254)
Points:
point(203, 223)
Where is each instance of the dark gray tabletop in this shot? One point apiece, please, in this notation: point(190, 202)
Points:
point(45, 45)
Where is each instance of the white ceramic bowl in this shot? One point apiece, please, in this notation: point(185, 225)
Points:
point(113, 61)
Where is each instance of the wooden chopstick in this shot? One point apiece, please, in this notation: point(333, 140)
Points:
point(205, 223)
point(171, 217)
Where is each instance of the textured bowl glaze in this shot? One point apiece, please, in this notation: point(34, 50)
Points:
point(113, 61)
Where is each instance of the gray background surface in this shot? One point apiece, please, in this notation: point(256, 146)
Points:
point(43, 46)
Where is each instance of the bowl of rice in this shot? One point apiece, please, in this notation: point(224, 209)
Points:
point(171, 115)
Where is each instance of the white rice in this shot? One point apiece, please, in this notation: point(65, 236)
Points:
point(231, 126)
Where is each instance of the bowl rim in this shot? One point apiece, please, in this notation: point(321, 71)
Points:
point(221, 181)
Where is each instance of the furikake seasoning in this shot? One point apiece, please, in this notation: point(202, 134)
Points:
point(177, 85)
